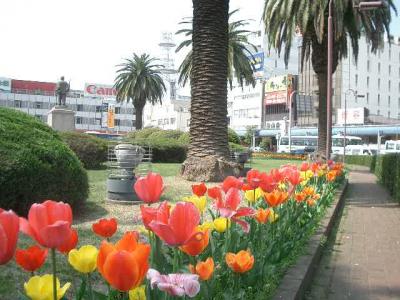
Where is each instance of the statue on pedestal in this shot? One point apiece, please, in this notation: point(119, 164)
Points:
point(62, 91)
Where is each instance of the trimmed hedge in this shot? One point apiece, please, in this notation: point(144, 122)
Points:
point(387, 169)
point(361, 160)
point(91, 151)
point(36, 165)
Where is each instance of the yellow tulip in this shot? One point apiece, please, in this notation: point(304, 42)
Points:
point(249, 195)
point(138, 293)
point(206, 225)
point(83, 260)
point(273, 216)
point(199, 202)
point(282, 186)
point(306, 175)
point(41, 288)
point(220, 224)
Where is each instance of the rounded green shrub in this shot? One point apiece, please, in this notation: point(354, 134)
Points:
point(233, 136)
point(143, 134)
point(35, 164)
point(184, 138)
point(91, 151)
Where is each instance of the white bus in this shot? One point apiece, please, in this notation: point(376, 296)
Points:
point(309, 143)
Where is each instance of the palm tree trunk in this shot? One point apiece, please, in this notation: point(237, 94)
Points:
point(322, 112)
point(139, 117)
point(208, 154)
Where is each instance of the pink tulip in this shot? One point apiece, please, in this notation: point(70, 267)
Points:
point(9, 228)
point(149, 188)
point(175, 284)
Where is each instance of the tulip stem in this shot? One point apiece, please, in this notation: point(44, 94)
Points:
point(90, 286)
point(53, 260)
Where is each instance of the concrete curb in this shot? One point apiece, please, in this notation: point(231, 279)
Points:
point(299, 277)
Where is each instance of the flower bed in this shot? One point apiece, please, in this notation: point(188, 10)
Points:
point(231, 241)
point(274, 155)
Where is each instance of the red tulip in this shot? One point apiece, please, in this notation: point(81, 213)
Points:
point(160, 214)
point(9, 227)
point(70, 243)
point(304, 166)
point(231, 182)
point(199, 189)
point(105, 228)
point(49, 223)
point(291, 174)
point(32, 258)
point(196, 246)
point(267, 182)
point(149, 188)
point(253, 178)
point(179, 229)
point(215, 193)
point(228, 208)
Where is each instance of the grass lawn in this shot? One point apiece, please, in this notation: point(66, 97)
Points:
point(12, 277)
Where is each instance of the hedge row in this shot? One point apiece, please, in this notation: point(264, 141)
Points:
point(387, 169)
point(171, 145)
point(36, 165)
point(91, 151)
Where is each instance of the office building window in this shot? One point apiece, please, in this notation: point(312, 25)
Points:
point(117, 110)
point(389, 101)
point(379, 83)
point(79, 120)
point(388, 114)
point(368, 65)
point(390, 54)
point(379, 67)
point(378, 112)
point(97, 121)
point(367, 98)
point(379, 99)
point(367, 81)
point(356, 79)
point(389, 85)
point(79, 107)
point(390, 70)
point(117, 122)
point(98, 108)
point(172, 121)
point(38, 105)
point(166, 122)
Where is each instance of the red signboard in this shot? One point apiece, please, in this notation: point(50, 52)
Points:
point(33, 86)
point(99, 90)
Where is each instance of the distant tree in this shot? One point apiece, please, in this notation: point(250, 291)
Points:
point(239, 51)
point(139, 80)
point(284, 18)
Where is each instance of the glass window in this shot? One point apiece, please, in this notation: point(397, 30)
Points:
point(78, 120)
point(389, 85)
point(18, 103)
point(390, 70)
point(379, 83)
point(117, 109)
point(368, 65)
point(390, 146)
point(337, 142)
point(379, 99)
point(367, 81)
point(379, 67)
point(367, 98)
point(117, 122)
point(79, 107)
point(388, 100)
point(356, 79)
point(172, 121)
point(398, 147)
point(284, 141)
point(98, 108)
point(38, 105)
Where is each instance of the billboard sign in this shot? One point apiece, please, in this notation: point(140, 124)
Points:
point(351, 116)
point(111, 116)
point(99, 90)
point(5, 84)
point(257, 60)
point(277, 89)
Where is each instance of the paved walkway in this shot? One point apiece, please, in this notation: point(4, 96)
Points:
point(364, 260)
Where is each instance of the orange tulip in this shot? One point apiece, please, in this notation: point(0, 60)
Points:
point(300, 197)
point(204, 269)
point(196, 246)
point(309, 190)
point(331, 175)
point(124, 265)
point(32, 258)
point(276, 197)
point(262, 215)
point(310, 202)
point(241, 262)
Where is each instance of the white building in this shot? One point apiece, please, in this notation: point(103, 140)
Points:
point(37, 98)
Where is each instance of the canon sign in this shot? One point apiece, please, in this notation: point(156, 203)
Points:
point(99, 90)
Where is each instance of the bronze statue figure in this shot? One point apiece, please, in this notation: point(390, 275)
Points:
point(62, 91)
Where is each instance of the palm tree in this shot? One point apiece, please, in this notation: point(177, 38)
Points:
point(208, 153)
point(239, 51)
point(138, 80)
point(284, 18)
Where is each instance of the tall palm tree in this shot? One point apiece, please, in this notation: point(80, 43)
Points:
point(239, 51)
point(283, 18)
point(208, 155)
point(139, 80)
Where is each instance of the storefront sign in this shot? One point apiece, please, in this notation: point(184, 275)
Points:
point(351, 116)
point(100, 91)
point(5, 84)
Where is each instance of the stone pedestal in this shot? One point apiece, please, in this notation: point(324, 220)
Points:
point(61, 118)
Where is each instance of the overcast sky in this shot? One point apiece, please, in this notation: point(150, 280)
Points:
point(84, 39)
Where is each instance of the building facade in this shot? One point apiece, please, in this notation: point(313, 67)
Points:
point(90, 105)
